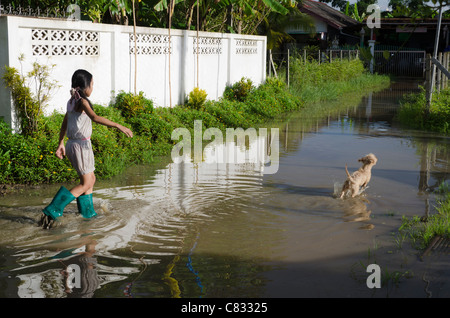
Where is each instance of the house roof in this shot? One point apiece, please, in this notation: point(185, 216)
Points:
point(324, 12)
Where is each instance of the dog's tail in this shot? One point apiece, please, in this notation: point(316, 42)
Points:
point(348, 174)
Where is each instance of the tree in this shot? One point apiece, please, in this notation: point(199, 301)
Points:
point(416, 9)
point(236, 16)
point(274, 26)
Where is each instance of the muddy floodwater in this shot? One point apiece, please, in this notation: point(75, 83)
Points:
point(203, 230)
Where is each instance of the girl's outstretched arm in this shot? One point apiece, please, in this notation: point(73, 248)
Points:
point(102, 120)
point(61, 151)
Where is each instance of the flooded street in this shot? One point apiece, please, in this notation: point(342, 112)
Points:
point(210, 230)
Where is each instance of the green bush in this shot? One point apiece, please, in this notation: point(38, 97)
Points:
point(186, 117)
point(197, 98)
point(31, 159)
point(131, 105)
point(152, 126)
point(239, 90)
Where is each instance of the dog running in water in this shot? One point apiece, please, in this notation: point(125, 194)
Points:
point(359, 179)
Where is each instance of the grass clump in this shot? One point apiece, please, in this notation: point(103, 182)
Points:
point(421, 231)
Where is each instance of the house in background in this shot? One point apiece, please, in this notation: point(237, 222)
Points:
point(333, 28)
point(407, 35)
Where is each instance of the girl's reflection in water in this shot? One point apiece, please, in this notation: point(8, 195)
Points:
point(80, 273)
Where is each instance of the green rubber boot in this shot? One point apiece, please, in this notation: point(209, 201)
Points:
point(86, 206)
point(56, 208)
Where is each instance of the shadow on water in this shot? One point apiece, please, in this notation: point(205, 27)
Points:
point(210, 230)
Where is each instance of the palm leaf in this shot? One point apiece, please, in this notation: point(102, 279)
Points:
point(276, 6)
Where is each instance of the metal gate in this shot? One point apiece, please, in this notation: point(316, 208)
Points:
point(400, 63)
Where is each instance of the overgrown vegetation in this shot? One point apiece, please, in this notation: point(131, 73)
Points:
point(313, 81)
point(414, 113)
point(30, 159)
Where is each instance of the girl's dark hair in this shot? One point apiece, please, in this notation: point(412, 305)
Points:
point(82, 79)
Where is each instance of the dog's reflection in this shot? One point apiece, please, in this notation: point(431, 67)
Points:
point(355, 210)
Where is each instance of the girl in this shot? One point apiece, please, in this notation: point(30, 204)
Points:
point(78, 125)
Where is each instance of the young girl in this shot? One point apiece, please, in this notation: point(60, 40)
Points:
point(78, 125)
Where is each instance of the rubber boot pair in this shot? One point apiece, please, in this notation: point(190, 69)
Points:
point(56, 208)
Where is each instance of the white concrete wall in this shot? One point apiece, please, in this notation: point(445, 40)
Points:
point(107, 51)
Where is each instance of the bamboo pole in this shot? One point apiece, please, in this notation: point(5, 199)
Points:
point(135, 48)
point(270, 65)
point(446, 57)
point(170, 43)
point(198, 39)
point(428, 80)
point(438, 74)
point(446, 62)
point(287, 69)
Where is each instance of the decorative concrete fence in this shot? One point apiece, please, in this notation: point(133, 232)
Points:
point(210, 61)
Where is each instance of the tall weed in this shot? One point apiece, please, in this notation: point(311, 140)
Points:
point(413, 111)
point(313, 81)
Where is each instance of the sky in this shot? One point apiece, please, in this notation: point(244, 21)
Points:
point(382, 3)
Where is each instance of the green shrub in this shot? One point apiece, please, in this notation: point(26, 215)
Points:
point(197, 98)
point(186, 118)
point(131, 105)
point(229, 113)
point(275, 83)
point(239, 90)
point(152, 126)
point(31, 159)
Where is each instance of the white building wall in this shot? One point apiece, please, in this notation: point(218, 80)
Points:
point(107, 51)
